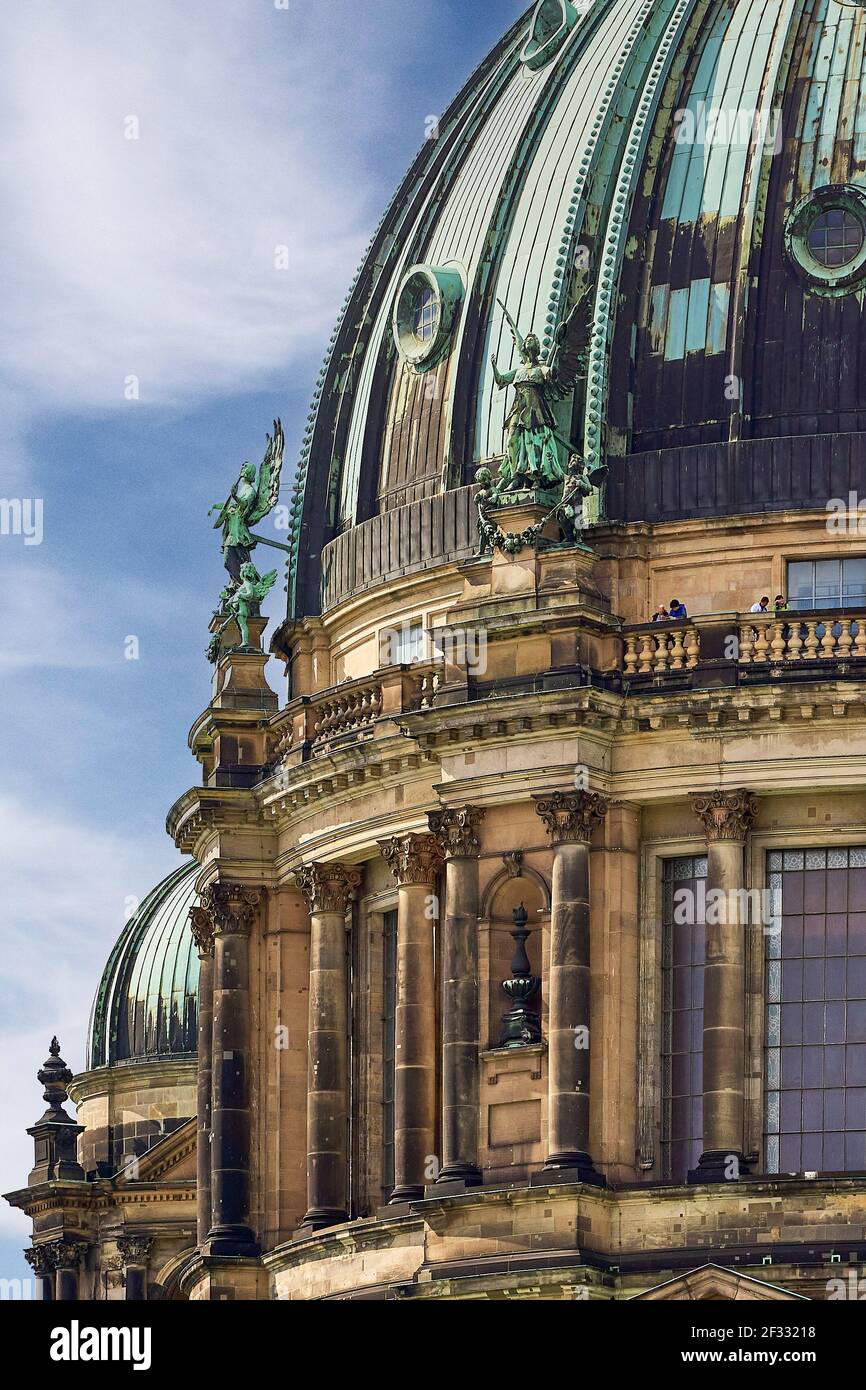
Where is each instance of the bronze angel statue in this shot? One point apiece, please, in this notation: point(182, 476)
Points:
point(533, 460)
point(251, 499)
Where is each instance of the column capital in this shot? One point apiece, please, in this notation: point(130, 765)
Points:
point(134, 1250)
point(413, 858)
point(456, 829)
point(201, 926)
point(726, 815)
point(43, 1259)
point(328, 887)
point(70, 1253)
point(571, 817)
point(230, 907)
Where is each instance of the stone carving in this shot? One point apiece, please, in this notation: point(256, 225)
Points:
point(240, 604)
point(455, 829)
point(726, 815)
point(201, 927)
point(42, 1259)
point(328, 887)
point(250, 500)
point(230, 907)
point(413, 858)
point(134, 1250)
point(520, 1026)
point(571, 816)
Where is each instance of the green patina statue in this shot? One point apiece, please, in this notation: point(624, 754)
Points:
point(532, 463)
point(250, 500)
point(242, 603)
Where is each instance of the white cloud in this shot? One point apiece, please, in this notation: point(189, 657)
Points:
point(65, 888)
point(154, 257)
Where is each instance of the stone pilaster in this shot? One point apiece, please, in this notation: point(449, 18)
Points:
point(202, 930)
point(134, 1252)
point(415, 861)
point(727, 818)
point(68, 1256)
point(232, 908)
point(570, 819)
point(456, 830)
point(327, 889)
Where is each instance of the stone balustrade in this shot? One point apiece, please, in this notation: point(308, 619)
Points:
point(314, 722)
point(788, 637)
point(655, 649)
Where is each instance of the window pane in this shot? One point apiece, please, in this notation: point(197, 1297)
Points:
point(682, 1050)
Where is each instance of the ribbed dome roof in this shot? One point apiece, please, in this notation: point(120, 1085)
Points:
point(694, 153)
point(145, 1006)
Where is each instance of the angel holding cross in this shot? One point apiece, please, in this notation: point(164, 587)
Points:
point(532, 461)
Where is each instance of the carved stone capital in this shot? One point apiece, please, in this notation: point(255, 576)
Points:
point(328, 887)
point(231, 907)
point(413, 858)
point(571, 817)
point(456, 830)
point(42, 1259)
point(201, 926)
point(134, 1250)
point(726, 815)
point(67, 1254)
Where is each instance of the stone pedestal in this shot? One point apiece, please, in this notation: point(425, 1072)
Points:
point(456, 832)
point(415, 861)
point(727, 818)
point(327, 889)
point(570, 820)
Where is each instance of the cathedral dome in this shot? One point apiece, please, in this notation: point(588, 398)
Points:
point(705, 162)
point(145, 1006)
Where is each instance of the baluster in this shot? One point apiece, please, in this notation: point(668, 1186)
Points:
point(762, 646)
point(843, 647)
point(777, 645)
point(646, 653)
point(828, 641)
point(795, 642)
point(630, 654)
point(811, 646)
point(746, 643)
point(693, 647)
point(661, 656)
point(860, 638)
point(678, 651)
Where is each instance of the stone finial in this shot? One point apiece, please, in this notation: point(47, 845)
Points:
point(726, 815)
point(55, 1075)
point(571, 816)
point(201, 926)
point(328, 887)
point(413, 858)
point(456, 830)
point(230, 907)
point(55, 1134)
point(520, 1026)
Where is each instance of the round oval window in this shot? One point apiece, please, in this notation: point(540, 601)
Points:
point(825, 239)
point(424, 312)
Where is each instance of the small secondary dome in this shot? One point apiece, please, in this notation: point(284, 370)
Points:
point(145, 1006)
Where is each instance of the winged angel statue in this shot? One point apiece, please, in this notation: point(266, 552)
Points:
point(251, 499)
point(532, 462)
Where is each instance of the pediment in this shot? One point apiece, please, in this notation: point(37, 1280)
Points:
point(173, 1159)
point(713, 1282)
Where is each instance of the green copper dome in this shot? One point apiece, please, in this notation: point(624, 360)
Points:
point(145, 1006)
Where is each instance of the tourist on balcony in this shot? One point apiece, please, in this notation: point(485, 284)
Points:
point(780, 603)
point(677, 609)
point(761, 606)
point(661, 615)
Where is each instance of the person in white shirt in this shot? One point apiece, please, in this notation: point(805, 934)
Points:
point(761, 606)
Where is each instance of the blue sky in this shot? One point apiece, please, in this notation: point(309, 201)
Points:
point(255, 124)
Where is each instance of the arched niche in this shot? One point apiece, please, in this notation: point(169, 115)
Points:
point(505, 892)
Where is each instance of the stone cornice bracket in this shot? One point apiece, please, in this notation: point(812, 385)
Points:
point(201, 926)
point(456, 831)
point(231, 907)
point(413, 858)
point(134, 1250)
point(328, 887)
point(571, 817)
point(726, 815)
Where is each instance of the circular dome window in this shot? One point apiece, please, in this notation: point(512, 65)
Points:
point(825, 238)
point(552, 22)
point(424, 311)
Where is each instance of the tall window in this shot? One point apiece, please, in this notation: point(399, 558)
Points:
point(683, 935)
point(389, 1051)
point(816, 1013)
point(827, 583)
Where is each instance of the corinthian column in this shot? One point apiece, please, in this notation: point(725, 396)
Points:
point(232, 908)
point(727, 818)
point(455, 831)
point(202, 930)
point(415, 861)
point(570, 819)
point(327, 889)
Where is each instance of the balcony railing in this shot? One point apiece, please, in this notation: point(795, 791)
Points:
point(313, 723)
